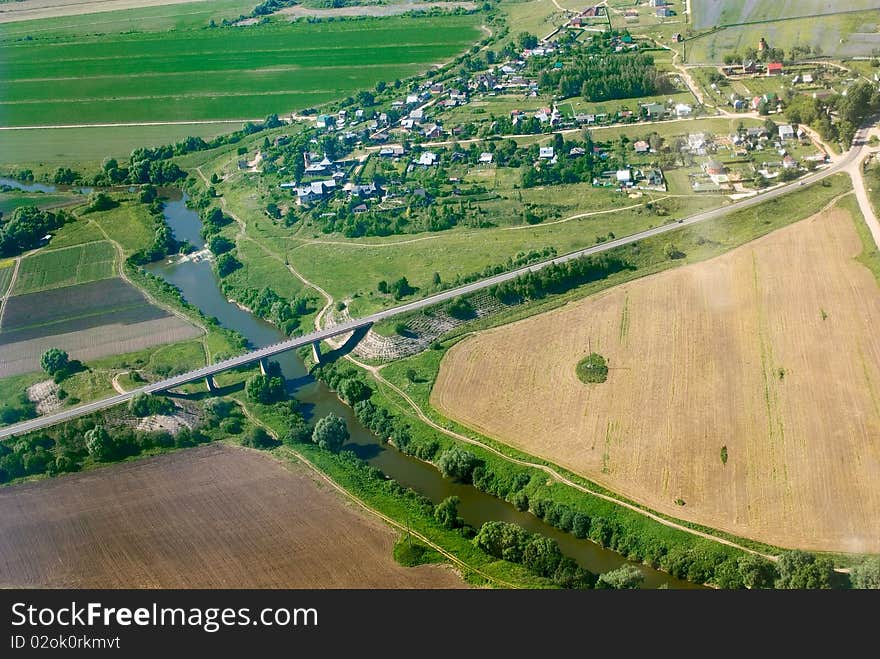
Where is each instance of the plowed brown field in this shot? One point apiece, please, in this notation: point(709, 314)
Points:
point(210, 517)
point(771, 350)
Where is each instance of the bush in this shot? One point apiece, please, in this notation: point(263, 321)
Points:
point(257, 437)
point(330, 433)
point(458, 464)
point(54, 360)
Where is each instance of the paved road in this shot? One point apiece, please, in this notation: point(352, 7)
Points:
point(854, 155)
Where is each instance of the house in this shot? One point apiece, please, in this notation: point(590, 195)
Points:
point(432, 131)
point(714, 168)
point(738, 104)
point(664, 12)
point(408, 124)
point(366, 191)
point(417, 115)
point(656, 3)
point(392, 151)
point(360, 208)
point(585, 118)
point(313, 191)
point(654, 177)
point(750, 66)
point(545, 152)
point(642, 146)
point(774, 68)
point(412, 99)
point(324, 121)
point(683, 110)
point(807, 78)
point(697, 143)
point(786, 132)
point(654, 110)
point(437, 88)
point(624, 177)
point(789, 163)
point(485, 158)
point(427, 159)
point(577, 151)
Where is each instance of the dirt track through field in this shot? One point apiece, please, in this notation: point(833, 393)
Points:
point(770, 350)
point(214, 516)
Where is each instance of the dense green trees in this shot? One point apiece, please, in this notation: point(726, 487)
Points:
point(226, 264)
point(265, 389)
point(330, 433)
point(147, 404)
point(26, 227)
point(558, 278)
point(220, 245)
point(54, 360)
point(800, 569)
point(607, 78)
point(866, 574)
point(100, 201)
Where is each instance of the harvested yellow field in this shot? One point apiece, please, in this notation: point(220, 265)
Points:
point(771, 350)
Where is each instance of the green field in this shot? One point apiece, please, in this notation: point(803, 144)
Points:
point(221, 73)
point(9, 201)
point(835, 33)
point(66, 267)
point(143, 19)
point(85, 148)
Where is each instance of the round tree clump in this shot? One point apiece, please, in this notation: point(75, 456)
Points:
point(592, 369)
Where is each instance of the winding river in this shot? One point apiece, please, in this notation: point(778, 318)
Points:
point(200, 287)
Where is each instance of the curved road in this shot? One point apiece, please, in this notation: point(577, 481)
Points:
point(845, 163)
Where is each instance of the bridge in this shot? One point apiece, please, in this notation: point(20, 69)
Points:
point(851, 158)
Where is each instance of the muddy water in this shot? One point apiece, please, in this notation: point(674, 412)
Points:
point(200, 287)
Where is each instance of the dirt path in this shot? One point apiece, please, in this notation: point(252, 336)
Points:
point(115, 382)
point(375, 372)
point(861, 189)
point(8, 293)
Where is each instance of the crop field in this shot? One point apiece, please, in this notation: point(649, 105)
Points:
point(85, 148)
point(65, 267)
point(7, 267)
point(90, 320)
point(261, 524)
point(778, 366)
point(10, 201)
point(708, 13)
point(835, 33)
point(221, 73)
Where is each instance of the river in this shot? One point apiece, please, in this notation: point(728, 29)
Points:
point(199, 286)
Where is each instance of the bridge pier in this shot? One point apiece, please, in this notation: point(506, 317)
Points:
point(212, 388)
point(264, 366)
point(316, 352)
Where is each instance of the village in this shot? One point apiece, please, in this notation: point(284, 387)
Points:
point(459, 149)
